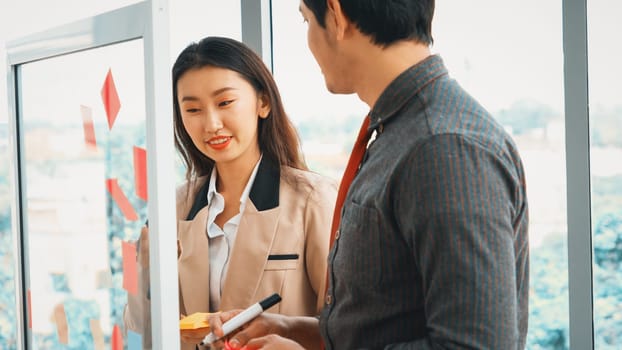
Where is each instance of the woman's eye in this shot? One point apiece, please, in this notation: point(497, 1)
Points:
point(225, 103)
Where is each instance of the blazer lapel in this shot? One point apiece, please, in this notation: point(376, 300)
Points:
point(254, 239)
point(193, 264)
point(249, 256)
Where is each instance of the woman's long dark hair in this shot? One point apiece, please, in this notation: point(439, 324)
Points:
point(277, 137)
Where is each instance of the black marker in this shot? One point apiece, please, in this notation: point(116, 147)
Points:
point(244, 317)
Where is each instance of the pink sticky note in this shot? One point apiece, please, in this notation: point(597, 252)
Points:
point(87, 123)
point(110, 98)
point(130, 272)
point(117, 338)
point(140, 172)
point(62, 329)
point(119, 197)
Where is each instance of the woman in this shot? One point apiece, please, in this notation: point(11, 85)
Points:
point(252, 220)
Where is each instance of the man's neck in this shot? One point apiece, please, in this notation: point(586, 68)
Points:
point(379, 67)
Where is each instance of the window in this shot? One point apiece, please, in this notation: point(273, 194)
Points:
point(327, 123)
point(516, 72)
point(21, 20)
point(605, 110)
point(8, 332)
point(83, 122)
point(191, 20)
point(85, 116)
point(77, 221)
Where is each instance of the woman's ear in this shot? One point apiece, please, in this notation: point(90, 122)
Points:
point(263, 106)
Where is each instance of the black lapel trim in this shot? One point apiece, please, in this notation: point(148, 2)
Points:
point(200, 200)
point(264, 192)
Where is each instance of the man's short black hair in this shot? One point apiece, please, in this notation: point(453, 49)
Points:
point(385, 21)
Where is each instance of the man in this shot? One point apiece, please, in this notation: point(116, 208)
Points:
point(432, 249)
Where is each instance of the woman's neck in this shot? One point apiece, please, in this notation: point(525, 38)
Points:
point(233, 177)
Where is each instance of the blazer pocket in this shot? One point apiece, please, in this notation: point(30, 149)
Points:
point(282, 262)
point(283, 257)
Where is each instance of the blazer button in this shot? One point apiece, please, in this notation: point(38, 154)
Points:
point(329, 299)
point(337, 234)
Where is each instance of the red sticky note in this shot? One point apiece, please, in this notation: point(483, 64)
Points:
point(140, 172)
point(130, 272)
point(119, 197)
point(62, 329)
point(117, 338)
point(110, 98)
point(87, 123)
point(29, 302)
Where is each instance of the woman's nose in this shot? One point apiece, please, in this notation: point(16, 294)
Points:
point(213, 123)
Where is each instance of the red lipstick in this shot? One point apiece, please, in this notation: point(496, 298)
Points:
point(219, 142)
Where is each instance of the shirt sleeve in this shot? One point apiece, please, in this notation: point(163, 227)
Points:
point(459, 223)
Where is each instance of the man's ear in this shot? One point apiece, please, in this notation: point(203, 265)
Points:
point(339, 19)
point(263, 106)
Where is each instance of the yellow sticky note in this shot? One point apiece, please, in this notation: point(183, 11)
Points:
point(195, 321)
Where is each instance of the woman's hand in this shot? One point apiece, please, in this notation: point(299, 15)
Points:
point(143, 248)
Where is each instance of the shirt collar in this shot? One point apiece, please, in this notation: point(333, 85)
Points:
point(408, 84)
point(244, 197)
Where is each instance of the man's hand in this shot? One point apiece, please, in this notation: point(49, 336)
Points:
point(194, 336)
point(262, 325)
point(273, 342)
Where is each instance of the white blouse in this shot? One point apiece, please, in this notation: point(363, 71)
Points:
point(221, 239)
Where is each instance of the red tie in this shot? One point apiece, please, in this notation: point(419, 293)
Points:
point(358, 151)
point(348, 175)
point(353, 164)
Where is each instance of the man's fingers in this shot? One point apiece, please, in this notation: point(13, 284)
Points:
point(273, 342)
point(191, 339)
point(239, 339)
point(254, 329)
point(217, 319)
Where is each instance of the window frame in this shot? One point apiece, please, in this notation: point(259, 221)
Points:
point(578, 191)
point(147, 20)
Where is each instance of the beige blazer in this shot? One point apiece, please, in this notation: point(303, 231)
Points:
point(281, 246)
